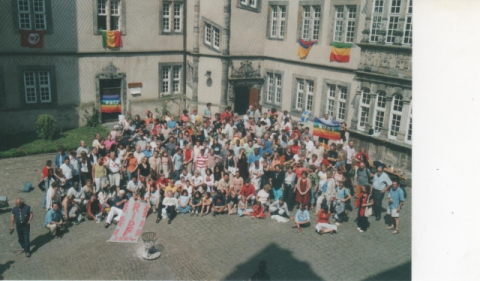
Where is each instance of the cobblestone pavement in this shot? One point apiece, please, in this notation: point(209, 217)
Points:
point(222, 247)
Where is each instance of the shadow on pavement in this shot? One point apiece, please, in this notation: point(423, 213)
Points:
point(40, 240)
point(401, 272)
point(4, 267)
point(281, 265)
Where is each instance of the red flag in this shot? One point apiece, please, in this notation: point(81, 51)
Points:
point(32, 38)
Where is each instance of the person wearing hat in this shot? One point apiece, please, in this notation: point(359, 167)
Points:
point(94, 209)
point(248, 191)
point(117, 208)
point(342, 195)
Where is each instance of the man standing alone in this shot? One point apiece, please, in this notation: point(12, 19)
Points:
point(381, 183)
point(22, 215)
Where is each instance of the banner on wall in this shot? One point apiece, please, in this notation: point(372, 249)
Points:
point(111, 104)
point(131, 223)
point(326, 129)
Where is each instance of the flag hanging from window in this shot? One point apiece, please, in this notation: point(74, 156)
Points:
point(305, 115)
point(111, 39)
point(327, 130)
point(32, 38)
point(304, 48)
point(340, 52)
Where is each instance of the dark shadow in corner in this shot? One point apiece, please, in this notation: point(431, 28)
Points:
point(281, 265)
point(4, 267)
point(399, 273)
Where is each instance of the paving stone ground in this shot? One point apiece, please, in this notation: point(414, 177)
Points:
point(222, 247)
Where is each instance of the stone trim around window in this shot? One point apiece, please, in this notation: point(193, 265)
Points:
point(265, 102)
point(123, 17)
point(48, 14)
point(269, 22)
point(213, 24)
point(53, 85)
point(324, 98)
point(293, 111)
point(172, 16)
point(257, 9)
point(331, 17)
point(323, 15)
point(170, 64)
point(3, 94)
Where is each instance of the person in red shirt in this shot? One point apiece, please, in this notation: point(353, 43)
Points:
point(226, 114)
point(295, 147)
point(48, 165)
point(248, 191)
point(157, 127)
point(299, 169)
point(258, 211)
point(161, 183)
point(188, 157)
point(323, 226)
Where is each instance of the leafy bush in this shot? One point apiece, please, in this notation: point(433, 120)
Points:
point(45, 126)
point(94, 119)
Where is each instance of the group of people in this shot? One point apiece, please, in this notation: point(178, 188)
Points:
point(257, 165)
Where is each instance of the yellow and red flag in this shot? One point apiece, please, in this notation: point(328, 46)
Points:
point(111, 39)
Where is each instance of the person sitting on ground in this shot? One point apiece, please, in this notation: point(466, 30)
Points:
point(184, 202)
point(248, 191)
point(206, 204)
point(78, 195)
point(258, 211)
point(170, 204)
point(172, 188)
point(224, 184)
point(242, 207)
point(70, 211)
point(219, 203)
point(94, 209)
point(279, 207)
point(323, 226)
point(153, 198)
point(264, 196)
point(196, 203)
point(117, 208)
point(106, 196)
point(53, 220)
point(134, 186)
point(232, 202)
point(302, 218)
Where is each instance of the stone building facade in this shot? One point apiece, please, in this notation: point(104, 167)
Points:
point(227, 52)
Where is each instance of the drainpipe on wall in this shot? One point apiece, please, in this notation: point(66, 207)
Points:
point(225, 54)
point(195, 53)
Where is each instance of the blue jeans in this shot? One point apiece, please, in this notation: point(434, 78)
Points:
point(23, 232)
point(184, 210)
point(177, 174)
point(44, 200)
point(129, 175)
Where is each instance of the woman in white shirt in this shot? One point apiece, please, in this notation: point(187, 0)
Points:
point(264, 195)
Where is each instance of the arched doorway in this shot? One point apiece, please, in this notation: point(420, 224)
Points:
point(245, 84)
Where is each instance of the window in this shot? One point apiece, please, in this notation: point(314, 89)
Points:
point(330, 99)
point(380, 111)
point(270, 87)
point(33, 14)
point(37, 87)
point(299, 98)
point(364, 109)
point(277, 23)
point(393, 18)
point(171, 21)
point(109, 15)
point(212, 36)
point(274, 88)
point(249, 3)
point(170, 79)
point(409, 129)
point(342, 102)
point(396, 116)
point(408, 34)
point(311, 22)
point(345, 18)
point(309, 103)
point(278, 88)
point(376, 23)
point(304, 95)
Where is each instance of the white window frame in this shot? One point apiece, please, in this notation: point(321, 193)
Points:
point(32, 14)
point(408, 30)
point(44, 86)
point(176, 77)
point(216, 37)
point(39, 15)
point(345, 24)
point(376, 22)
point(379, 110)
point(393, 20)
point(278, 21)
point(310, 86)
point(115, 12)
point(105, 8)
point(166, 75)
point(278, 88)
point(208, 34)
point(394, 125)
point(177, 16)
point(300, 96)
point(167, 17)
point(364, 110)
point(30, 87)
point(311, 22)
point(24, 14)
point(331, 98)
point(342, 102)
point(409, 128)
point(171, 78)
point(249, 3)
point(270, 87)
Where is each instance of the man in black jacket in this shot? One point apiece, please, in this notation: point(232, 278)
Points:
point(22, 215)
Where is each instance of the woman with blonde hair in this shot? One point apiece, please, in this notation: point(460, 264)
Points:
point(144, 170)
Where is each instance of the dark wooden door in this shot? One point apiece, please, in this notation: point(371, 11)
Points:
point(253, 99)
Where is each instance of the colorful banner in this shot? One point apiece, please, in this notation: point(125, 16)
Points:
point(340, 52)
point(111, 104)
point(111, 39)
point(326, 129)
point(31, 38)
point(304, 48)
point(131, 223)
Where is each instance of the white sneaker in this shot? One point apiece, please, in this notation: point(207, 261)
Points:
point(360, 230)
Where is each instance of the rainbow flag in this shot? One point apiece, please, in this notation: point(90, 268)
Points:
point(111, 104)
point(304, 48)
point(111, 39)
point(340, 52)
point(326, 129)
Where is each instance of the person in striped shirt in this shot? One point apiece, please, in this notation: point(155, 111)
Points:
point(201, 163)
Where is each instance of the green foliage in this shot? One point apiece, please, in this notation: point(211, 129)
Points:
point(46, 126)
point(94, 119)
point(69, 140)
point(164, 109)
